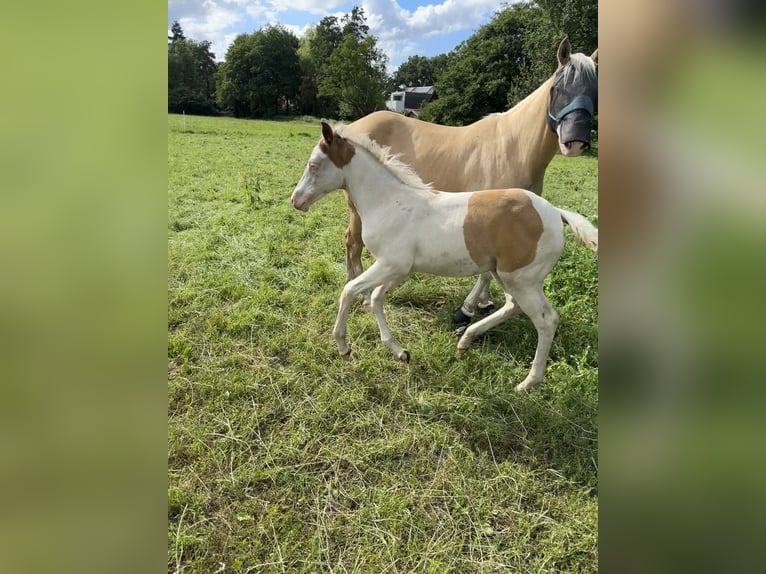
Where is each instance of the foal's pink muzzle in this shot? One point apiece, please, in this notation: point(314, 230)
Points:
point(301, 203)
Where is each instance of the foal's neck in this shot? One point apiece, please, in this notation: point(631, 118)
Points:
point(371, 185)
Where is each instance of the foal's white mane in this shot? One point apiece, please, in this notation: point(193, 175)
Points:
point(402, 171)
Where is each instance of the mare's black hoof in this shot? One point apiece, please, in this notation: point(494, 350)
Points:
point(488, 310)
point(460, 319)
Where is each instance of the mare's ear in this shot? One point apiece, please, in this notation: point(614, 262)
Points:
point(565, 50)
point(594, 56)
point(327, 132)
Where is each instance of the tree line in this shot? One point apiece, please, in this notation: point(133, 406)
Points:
point(337, 70)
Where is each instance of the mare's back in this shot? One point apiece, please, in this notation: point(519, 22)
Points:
point(437, 153)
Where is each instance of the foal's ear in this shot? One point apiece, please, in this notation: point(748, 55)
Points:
point(327, 132)
point(594, 56)
point(565, 50)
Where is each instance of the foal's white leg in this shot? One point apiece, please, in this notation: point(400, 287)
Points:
point(376, 275)
point(474, 330)
point(378, 296)
point(545, 319)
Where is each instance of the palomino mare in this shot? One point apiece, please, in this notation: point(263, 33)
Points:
point(513, 234)
point(511, 149)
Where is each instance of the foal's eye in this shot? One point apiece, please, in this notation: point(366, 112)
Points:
point(313, 168)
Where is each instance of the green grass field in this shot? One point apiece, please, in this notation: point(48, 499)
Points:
point(284, 458)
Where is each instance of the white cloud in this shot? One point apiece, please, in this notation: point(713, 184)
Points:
point(299, 31)
point(387, 18)
point(319, 7)
point(400, 32)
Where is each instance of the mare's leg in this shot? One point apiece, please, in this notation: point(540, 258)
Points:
point(378, 296)
point(463, 314)
point(354, 242)
point(510, 308)
point(376, 275)
point(532, 301)
point(485, 305)
point(354, 245)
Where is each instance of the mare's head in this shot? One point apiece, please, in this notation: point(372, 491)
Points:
point(574, 95)
point(324, 170)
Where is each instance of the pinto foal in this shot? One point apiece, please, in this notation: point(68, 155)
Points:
point(408, 227)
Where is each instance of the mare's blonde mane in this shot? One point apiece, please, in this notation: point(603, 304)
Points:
point(402, 171)
point(579, 66)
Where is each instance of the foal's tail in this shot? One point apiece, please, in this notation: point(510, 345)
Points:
point(584, 231)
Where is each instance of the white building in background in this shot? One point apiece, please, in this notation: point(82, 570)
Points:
point(409, 100)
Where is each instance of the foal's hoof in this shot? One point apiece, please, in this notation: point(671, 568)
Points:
point(404, 356)
point(460, 319)
point(525, 386)
point(347, 356)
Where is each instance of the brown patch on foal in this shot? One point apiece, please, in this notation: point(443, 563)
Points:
point(502, 229)
point(339, 151)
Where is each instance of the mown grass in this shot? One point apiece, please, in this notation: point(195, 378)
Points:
point(284, 458)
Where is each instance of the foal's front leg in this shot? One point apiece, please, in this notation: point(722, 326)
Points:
point(378, 296)
point(376, 275)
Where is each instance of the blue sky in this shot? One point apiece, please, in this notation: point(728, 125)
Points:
point(404, 28)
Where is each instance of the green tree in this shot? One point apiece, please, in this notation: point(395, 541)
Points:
point(418, 71)
point(314, 52)
point(577, 19)
point(191, 75)
point(480, 71)
point(538, 58)
point(319, 89)
point(355, 24)
point(356, 77)
point(261, 75)
point(176, 31)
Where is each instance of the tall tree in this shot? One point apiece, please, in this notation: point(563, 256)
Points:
point(319, 89)
point(191, 75)
point(356, 77)
point(355, 24)
point(315, 50)
point(176, 32)
point(261, 74)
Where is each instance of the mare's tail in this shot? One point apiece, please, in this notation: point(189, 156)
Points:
point(584, 231)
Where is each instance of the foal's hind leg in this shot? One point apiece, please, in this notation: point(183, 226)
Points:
point(545, 319)
point(510, 308)
point(378, 296)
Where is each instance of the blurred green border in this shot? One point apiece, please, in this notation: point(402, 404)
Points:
point(83, 178)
